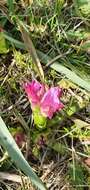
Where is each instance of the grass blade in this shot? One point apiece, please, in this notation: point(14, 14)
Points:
point(68, 73)
point(7, 141)
point(31, 49)
point(10, 4)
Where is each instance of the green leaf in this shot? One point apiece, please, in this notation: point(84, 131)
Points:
point(64, 70)
point(3, 46)
point(13, 41)
point(7, 141)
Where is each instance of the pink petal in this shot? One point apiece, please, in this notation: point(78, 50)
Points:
point(50, 102)
point(34, 91)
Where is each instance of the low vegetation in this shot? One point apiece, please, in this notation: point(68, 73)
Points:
point(45, 94)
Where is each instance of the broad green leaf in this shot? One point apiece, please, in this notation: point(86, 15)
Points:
point(3, 46)
point(13, 41)
point(7, 141)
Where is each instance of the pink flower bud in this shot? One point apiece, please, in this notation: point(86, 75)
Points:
point(35, 91)
point(19, 138)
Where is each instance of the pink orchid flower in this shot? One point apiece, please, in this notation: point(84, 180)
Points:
point(47, 100)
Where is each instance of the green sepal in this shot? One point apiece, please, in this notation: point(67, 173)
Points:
point(39, 120)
